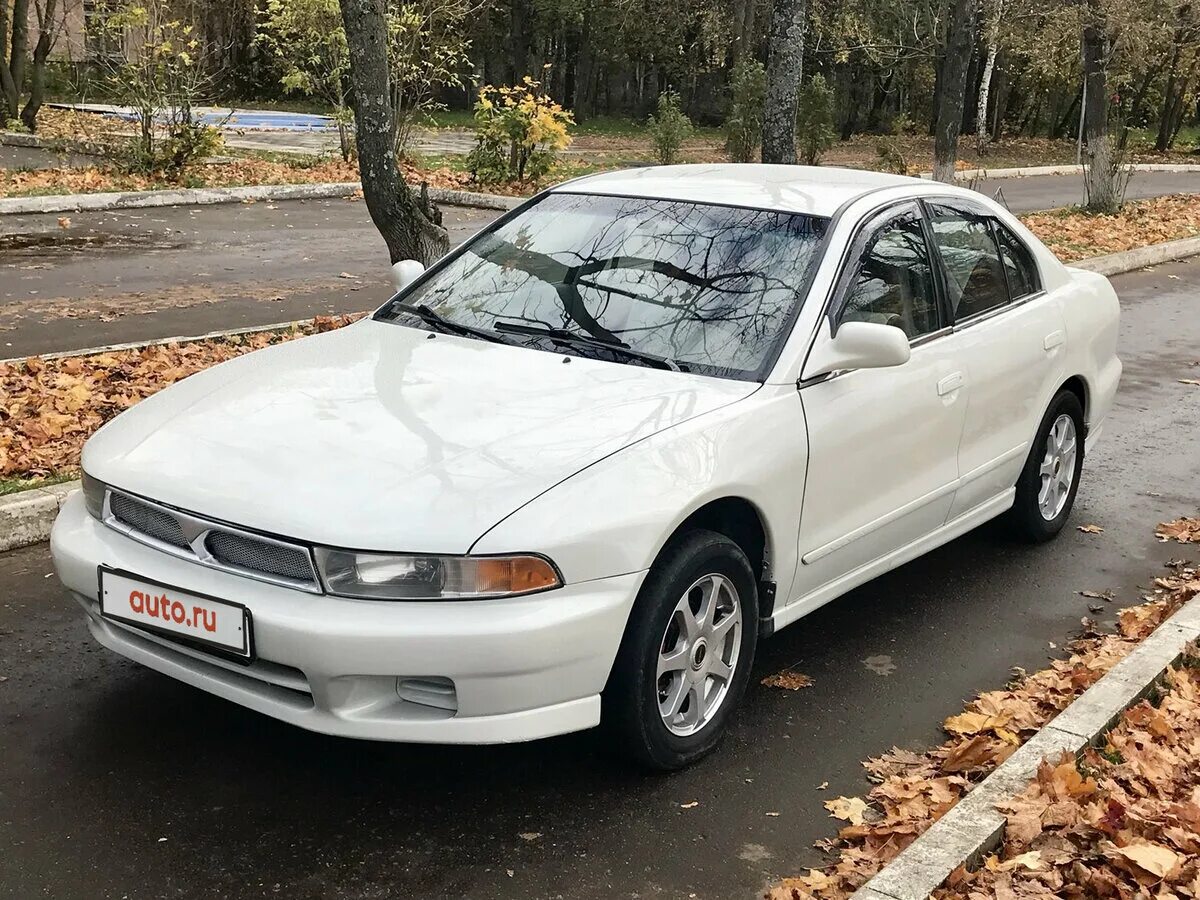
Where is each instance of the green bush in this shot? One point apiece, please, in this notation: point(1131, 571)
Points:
point(814, 120)
point(669, 127)
point(743, 125)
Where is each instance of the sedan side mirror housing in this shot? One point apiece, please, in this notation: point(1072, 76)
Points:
point(405, 273)
point(858, 345)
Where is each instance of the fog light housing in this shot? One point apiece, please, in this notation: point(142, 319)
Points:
point(432, 691)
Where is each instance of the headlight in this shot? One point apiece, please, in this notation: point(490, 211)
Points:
point(93, 494)
point(388, 576)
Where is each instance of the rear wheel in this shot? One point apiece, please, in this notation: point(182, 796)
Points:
point(1048, 484)
point(686, 655)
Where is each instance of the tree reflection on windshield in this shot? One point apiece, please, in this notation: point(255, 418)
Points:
point(710, 287)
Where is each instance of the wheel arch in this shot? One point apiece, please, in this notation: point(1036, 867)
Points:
point(1078, 386)
point(743, 522)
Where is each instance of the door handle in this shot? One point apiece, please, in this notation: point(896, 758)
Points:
point(1054, 339)
point(950, 384)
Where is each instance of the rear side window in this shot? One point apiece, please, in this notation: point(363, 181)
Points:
point(975, 276)
point(892, 281)
point(1018, 263)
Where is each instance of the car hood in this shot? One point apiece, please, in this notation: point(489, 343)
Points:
point(382, 437)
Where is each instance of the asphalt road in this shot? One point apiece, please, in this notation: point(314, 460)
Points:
point(37, 158)
point(89, 279)
point(118, 782)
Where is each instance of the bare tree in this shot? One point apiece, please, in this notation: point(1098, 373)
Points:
point(995, 16)
point(14, 56)
point(14, 49)
point(785, 63)
point(952, 94)
point(409, 224)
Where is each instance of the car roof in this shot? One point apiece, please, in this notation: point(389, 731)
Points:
point(813, 190)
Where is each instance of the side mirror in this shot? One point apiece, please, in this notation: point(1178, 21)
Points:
point(405, 273)
point(858, 345)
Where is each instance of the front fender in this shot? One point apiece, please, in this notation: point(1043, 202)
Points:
point(616, 515)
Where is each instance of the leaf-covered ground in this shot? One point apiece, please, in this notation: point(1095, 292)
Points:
point(49, 407)
point(1073, 235)
point(1086, 830)
point(233, 173)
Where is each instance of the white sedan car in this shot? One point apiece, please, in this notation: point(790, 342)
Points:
point(572, 473)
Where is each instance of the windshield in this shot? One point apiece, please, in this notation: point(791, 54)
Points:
point(711, 289)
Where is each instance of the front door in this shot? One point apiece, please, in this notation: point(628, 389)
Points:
point(883, 443)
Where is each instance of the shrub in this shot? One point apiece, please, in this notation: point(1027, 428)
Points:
point(743, 125)
point(888, 158)
point(518, 133)
point(814, 120)
point(668, 128)
point(162, 78)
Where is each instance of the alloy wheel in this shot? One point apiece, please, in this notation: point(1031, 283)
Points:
point(1058, 467)
point(698, 655)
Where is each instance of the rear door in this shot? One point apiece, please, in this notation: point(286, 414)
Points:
point(1011, 339)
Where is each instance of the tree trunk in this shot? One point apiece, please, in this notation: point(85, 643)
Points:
point(41, 52)
point(12, 68)
point(1162, 141)
point(785, 62)
point(959, 40)
point(985, 80)
point(410, 226)
point(1102, 167)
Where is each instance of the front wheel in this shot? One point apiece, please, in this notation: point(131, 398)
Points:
point(686, 655)
point(1048, 484)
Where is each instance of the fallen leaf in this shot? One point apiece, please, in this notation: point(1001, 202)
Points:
point(788, 680)
point(1090, 529)
point(1156, 859)
point(849, 809)
point(529, 835)
point(64, 222)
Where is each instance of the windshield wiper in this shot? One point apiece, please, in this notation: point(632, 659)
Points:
point(440, 322)
point(563, 336)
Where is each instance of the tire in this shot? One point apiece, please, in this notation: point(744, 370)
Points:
point(694, 566)
point(1030, 515)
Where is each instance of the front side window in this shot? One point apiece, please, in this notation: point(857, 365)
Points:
point(972, 260)
point(892, 282)
point(713, 289)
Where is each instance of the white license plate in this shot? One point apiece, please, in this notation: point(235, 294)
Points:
point(207, 621)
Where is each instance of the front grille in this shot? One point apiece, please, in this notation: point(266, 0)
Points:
point(147, 519)
point(250, 553)
point(209, 543)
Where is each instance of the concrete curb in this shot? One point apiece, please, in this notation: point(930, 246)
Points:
point(973, 827)
point(1139, 258)
point(1028, 171)
point(26, 517)
point(12, 206)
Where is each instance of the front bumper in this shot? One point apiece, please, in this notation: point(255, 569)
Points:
point(521, 668)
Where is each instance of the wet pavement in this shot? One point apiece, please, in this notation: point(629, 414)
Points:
point(118, 782)
point(89, 279)
point(37, 158)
